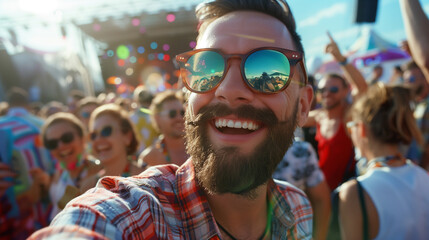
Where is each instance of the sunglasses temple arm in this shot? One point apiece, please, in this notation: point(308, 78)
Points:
point(304, 71)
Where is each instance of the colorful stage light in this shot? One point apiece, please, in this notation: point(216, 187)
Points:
point(135, 22)
point(192, 44)
point(121, 62)
point(160, 56)
point(154, 45)
point(140, 49)
point(171, 17)
point(122, 52)
point(166, 47)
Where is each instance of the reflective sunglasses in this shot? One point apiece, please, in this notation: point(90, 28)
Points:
point(265, 70)
point(52, 144)
point(172, 113)
point(105, 132)
point(333, 89)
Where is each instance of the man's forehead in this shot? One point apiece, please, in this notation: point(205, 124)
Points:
point(329, 80)
point(247, 26)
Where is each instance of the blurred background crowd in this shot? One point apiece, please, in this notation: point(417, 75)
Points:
point(90, 89)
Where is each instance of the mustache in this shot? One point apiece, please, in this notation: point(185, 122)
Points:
point(208, 112)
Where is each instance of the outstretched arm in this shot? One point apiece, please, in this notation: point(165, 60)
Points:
point(417, 29)
point(352, 74)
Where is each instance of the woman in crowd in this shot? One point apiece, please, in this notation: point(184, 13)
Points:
point(64, 136)
point(114, 141)
point(390, 199)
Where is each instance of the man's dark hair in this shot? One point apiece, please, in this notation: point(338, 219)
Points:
point(410, 65)
point(88, 101)
point(17, 97)
point(208, 12)
point(143, 96)
point(341, 78)
point(76, 94)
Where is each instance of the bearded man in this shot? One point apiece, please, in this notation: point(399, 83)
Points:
point(236, 135)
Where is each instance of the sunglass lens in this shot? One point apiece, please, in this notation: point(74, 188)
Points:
point(106, 131)
point(51, 144)
point(67, 137)
point(267, 71)
point(203, 70)
point(333, 89)
point(172, 114)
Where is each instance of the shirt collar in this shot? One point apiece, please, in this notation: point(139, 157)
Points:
point(282, 212)
point(197, 216)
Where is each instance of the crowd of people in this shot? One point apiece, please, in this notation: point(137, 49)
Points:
point(232, 159)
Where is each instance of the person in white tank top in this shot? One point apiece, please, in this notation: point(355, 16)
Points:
point(395, 192)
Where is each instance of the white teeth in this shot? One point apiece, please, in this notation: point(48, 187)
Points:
point(236, 124)
point(224, 123)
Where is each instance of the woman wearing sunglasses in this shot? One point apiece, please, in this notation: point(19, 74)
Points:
point(114, 141)
point(390, 200)
point(167, 118)
point(63, 135)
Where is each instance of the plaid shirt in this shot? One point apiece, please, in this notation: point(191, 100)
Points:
point(165, 202)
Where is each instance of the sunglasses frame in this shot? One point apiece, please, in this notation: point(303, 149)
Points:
point(294, 58)
point(176, 111)
point(93, 135)
point(322, 90)
point(63, 138)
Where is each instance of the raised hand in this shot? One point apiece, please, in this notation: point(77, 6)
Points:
point(332, 48)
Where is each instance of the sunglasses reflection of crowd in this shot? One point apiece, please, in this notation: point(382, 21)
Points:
point(205, 84)
point(268, 83)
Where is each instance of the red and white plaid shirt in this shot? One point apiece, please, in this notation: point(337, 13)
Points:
point(165, 202)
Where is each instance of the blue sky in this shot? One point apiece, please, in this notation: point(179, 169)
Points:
point(314, 18)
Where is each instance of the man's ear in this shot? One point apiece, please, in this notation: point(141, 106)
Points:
point(362, 129)
point(305, 98)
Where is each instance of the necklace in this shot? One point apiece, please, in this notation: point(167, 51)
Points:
point(384, 161)
point(126, 172)
point(267, 227)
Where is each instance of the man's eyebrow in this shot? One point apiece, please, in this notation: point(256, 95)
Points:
point(270, 40)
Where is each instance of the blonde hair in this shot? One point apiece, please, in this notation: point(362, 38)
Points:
point(386, 111)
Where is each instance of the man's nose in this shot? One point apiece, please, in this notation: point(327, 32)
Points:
point(233, 89)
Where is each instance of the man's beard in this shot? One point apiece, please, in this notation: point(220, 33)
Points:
point(225, 170)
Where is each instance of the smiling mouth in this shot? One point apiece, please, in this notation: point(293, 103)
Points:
point(229, 126)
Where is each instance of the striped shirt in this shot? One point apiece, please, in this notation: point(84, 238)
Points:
point(165, 202)
point(24, 151)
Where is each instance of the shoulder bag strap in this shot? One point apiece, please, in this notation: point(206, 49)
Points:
point(364, 214)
